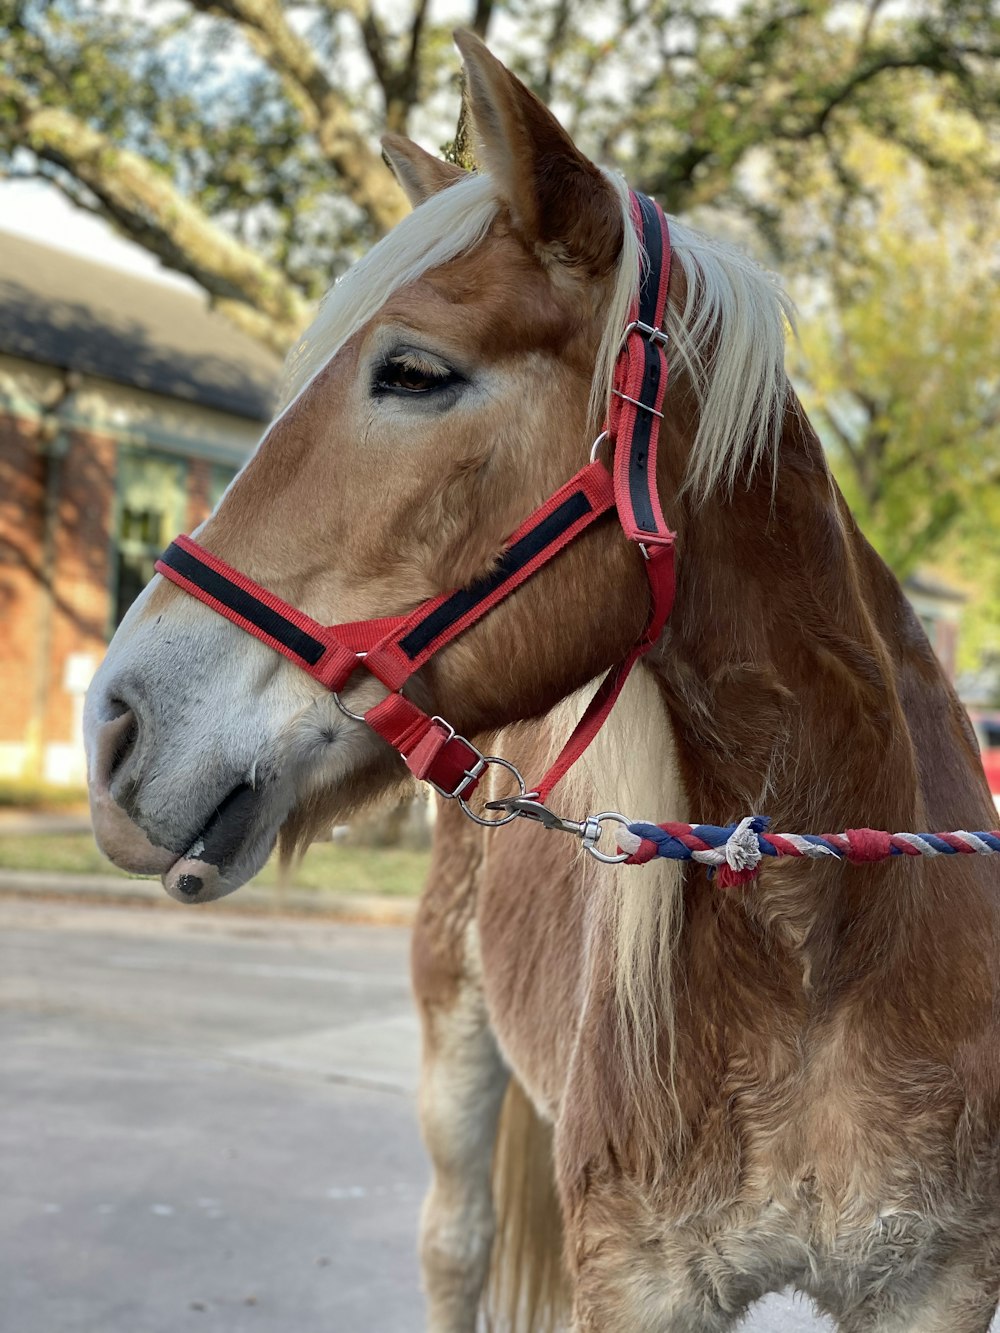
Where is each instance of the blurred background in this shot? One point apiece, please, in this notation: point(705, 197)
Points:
point(180, 181)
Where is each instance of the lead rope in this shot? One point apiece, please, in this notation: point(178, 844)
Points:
point(734, 853)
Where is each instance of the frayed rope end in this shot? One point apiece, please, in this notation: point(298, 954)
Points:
point(743, 854)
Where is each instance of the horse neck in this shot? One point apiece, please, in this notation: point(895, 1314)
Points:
point(780, 671)
point(777, 669)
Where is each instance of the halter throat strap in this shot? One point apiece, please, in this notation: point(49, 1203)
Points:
point(393, 648)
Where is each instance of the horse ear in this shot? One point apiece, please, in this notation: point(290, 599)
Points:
point(557, 197)
point(419, 174)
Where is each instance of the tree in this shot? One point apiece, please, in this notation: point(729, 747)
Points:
point(899, 368)
point(901, 362)
point(235, 139)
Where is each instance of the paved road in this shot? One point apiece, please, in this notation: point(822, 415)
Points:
point(207, 1126)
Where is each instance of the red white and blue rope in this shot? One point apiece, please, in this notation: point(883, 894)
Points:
point(735, 851)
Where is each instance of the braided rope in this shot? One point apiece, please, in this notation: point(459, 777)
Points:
point(735, 851)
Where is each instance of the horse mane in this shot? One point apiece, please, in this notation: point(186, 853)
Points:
point(632, 755)
point(728, 339)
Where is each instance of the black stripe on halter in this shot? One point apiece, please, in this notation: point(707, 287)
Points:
point(513, 560)
point(638, 471)
point(244, 604)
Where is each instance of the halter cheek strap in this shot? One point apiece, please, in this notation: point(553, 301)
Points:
point(393, 648)
point(640, 384)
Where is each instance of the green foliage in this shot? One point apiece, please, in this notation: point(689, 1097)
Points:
point(900, 373)
point(264, 113)
point(902, 366)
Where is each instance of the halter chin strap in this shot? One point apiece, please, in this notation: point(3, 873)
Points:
point(393, 648)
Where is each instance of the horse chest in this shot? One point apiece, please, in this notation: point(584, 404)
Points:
point(828, 1211)
point(825, 1204)
point(723, 1264)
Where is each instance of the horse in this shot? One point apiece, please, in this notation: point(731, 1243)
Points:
point(648, 1100)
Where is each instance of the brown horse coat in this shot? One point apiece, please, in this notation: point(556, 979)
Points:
point(716, 1094)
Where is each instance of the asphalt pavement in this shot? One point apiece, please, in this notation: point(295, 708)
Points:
point(208, 1125)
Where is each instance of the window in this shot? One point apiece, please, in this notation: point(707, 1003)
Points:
point(152, 502)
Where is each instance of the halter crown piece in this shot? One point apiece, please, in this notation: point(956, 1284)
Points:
point(393, 648)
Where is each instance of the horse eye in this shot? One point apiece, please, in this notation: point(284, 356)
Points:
point(411, 375)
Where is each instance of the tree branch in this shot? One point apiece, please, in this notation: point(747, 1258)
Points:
point(871, 14)
point(481, 16)
point(142, 202)
point(844, 438)
point(325, 111)
point(412, 67)
point(554, 47)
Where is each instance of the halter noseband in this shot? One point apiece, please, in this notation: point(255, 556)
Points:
point(393, 648)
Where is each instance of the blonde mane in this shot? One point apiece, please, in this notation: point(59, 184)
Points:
point(729, 338)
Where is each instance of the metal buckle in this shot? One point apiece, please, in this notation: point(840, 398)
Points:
point(655, 336)
point(469, 775)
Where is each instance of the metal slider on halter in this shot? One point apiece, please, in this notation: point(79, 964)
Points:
point(654, 335)
point(588, 830)
point(642, 407)
point(658, 337)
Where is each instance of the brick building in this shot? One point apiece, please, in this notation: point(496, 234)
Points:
point(126, 406)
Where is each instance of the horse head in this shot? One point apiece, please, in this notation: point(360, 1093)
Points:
point(452, 379)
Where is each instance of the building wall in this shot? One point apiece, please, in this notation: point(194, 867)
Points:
point(54, 601)
point(52, 638)
point(21, 509)
point(79, 604)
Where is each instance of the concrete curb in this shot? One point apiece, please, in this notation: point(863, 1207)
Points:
point(250, 900)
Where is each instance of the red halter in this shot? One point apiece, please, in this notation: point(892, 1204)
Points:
point(393, 648)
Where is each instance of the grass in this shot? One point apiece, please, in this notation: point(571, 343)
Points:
point(327, 867)
point(25, 794)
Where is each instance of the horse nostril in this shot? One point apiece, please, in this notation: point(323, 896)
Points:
point(124, 742)
point(116, 741)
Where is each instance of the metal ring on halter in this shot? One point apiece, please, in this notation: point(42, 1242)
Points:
point(590, 844)
point(504, 819)
point(595, 448)
point(358, 717)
